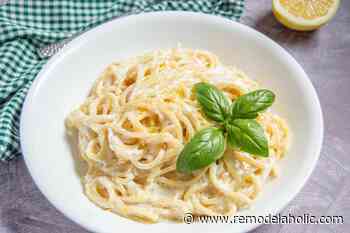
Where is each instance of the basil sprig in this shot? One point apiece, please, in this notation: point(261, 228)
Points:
point(236, 124)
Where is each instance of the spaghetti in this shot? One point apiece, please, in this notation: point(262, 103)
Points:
point(137, 118)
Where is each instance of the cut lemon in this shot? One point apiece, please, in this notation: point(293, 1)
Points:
point(304, 15)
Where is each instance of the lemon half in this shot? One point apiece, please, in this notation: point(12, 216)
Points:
point(304, 15)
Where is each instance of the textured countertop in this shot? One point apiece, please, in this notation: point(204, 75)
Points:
point(325, 56)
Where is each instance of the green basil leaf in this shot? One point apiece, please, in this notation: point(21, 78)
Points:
point(215, 105)
point(247, 135)
point(248, 105)
point(205, 147)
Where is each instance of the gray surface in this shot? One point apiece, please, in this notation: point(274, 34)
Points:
point(325, 55)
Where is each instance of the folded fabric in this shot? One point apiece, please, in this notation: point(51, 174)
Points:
point(26, 26)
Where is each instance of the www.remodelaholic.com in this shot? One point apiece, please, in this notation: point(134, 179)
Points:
point(267, 219)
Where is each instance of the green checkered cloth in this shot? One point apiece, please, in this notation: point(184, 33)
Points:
point(26, 26)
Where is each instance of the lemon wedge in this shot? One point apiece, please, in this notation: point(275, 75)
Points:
point(304, 15)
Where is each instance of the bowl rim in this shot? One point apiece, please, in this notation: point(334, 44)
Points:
point(41, 76)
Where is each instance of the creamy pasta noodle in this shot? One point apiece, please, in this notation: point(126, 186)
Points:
point(136, 120)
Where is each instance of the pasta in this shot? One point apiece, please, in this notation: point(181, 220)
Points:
point(137, 118)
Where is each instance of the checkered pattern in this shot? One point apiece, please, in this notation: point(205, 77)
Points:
point(26, 26)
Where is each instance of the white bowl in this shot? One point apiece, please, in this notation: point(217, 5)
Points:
point(65, 80)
